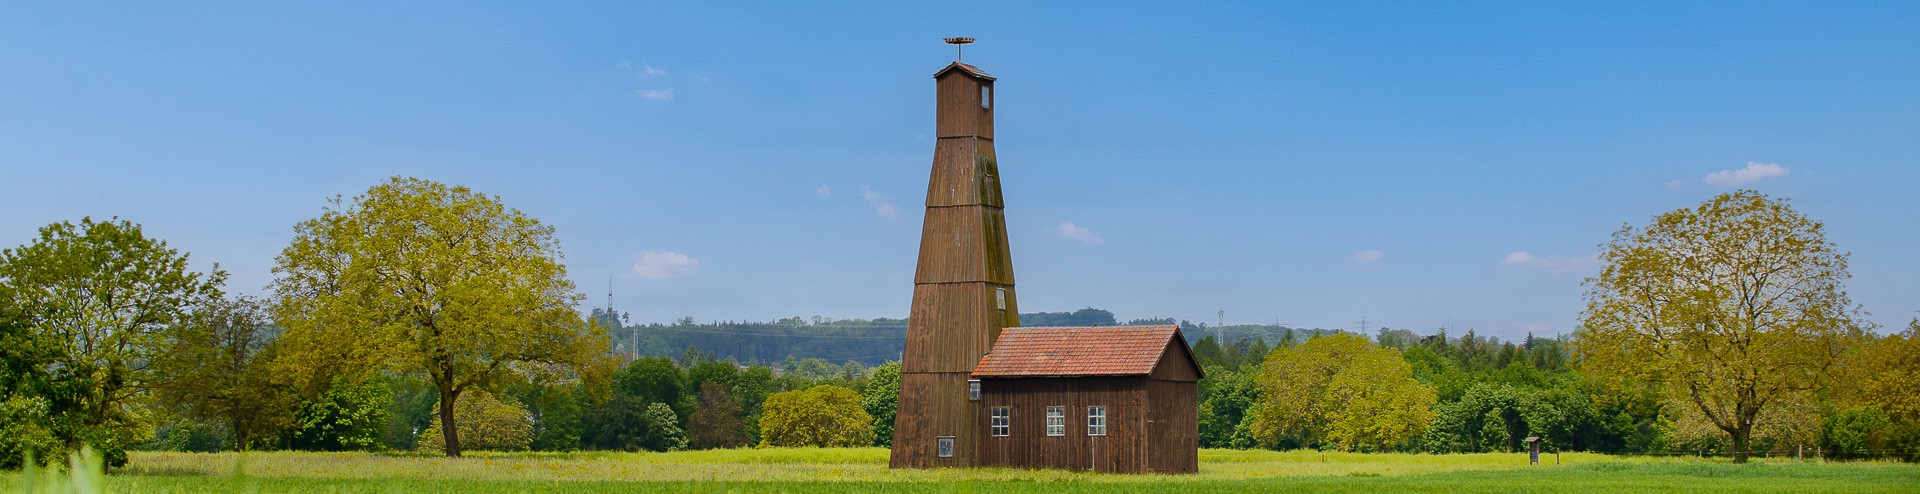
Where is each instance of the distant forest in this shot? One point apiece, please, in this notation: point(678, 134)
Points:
point(867, 341)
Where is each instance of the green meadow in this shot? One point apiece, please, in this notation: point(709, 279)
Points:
point(864, 470)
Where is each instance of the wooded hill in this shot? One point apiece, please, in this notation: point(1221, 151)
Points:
point(867, 341)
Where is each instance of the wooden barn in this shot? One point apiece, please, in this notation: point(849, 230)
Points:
point(1109, 399)
point(1119, 399)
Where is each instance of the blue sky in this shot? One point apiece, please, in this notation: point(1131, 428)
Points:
point(1412, 164)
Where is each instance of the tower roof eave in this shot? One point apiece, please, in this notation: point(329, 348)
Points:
point(968, 69)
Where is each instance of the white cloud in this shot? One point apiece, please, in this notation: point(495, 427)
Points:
point(880, 203)
point(823, 191)
point(1367, 256)
point(650, 72)
point(662, 265)
point(1753, 172)
point(657, 94)
point(703, 79)
point(1081, 233)
point(1676, 185)
point(624, 64)
point(1553, 264)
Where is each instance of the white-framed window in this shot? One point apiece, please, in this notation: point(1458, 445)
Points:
point(1000, 298)
point(986, 97)
point(1097, 420)
point(945, 447)
point(1001, 423)
point(1056, 421)
point(973, 390)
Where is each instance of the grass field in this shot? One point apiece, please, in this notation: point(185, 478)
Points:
point(864, 470)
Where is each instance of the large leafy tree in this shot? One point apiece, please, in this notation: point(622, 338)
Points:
point(1340, 390)
point(219, 370)
point(435, 279)
point(97, 301)
point(718, 422)
point(881, 400)
point(823, 416)
point(1731, 307)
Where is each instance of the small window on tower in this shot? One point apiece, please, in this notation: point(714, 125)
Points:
point(945, 449)
point(986, 97)
point(973, 389)
point(1000, 298)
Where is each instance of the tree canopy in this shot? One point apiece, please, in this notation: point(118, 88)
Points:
point(430, 278)
point(824, 416)
point(1340, 390)
point(1730, 307)
point(93, 305)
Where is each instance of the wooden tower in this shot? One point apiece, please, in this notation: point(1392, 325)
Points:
point(963, 287)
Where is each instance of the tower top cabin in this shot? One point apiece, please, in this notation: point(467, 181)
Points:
point(966, 102)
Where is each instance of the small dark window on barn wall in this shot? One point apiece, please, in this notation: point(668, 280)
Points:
point(1056, 421)
point(973, 390)
point(946, 447)
point(1002, 423)
point(986, 97)
point(1097, 420)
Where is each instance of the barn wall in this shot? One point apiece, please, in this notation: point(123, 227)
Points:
point(1176, 363)
point(1173, 426)
point(1123, 449)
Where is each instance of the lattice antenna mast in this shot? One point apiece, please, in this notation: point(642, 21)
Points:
point(958, 45)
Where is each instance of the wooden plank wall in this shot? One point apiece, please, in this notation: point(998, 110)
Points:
point(1174, 426)
point(965, 173)
point(934, 405)
point(1123, 449)
point(951, 325)
point(962, 244)
point(959, 110)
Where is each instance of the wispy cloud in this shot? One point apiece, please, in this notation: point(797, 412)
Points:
point(823, 191)
point(1753, 172)
point(657, 94)
point(624, 64)
point(1367, 256)
point(1553, 264)
point(660, 265)
point(881, 204)
point(1081, 233)
point(651, 73)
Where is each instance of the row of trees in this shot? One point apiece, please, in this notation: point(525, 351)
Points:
point(420, 315)
point(1724, 327)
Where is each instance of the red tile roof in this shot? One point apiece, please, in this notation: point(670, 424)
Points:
point(1077, 351)
point(969, 69)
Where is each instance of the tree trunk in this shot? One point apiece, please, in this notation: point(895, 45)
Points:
point(1740, 442)
point(447, 430)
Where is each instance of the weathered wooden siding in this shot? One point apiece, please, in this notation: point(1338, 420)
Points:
point(1123, 449)
point(959, 108)
point(964, 258)
point(1173, 428)
point(935, 404)
point(951, 325)
point(1152, 426)
point(965, 173)
point(962, 244)
point(1176, 363)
